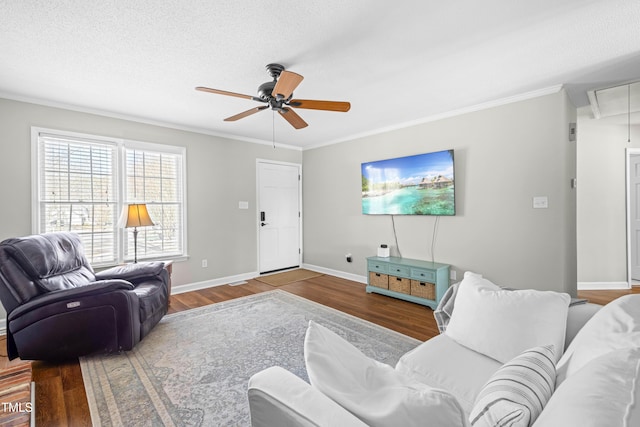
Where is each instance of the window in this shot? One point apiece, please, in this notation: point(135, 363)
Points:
point(84, 182)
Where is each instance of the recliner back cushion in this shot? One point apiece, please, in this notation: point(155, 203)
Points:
point(54, 261)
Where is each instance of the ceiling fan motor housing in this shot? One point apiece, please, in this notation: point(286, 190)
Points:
point(265, 89)
point(274, 70)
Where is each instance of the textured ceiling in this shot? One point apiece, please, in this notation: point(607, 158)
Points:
point(397, 62)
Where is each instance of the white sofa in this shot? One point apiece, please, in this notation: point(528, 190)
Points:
point(599, 367)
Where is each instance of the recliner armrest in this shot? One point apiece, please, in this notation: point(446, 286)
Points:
point(132, 272)
point(279, 398)
point(93, 288)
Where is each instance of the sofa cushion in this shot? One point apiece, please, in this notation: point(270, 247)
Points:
point(614, 326)
point(516, 394)
point(373, 391)
point(444, 364)
point(502, 324)
point(605, 392)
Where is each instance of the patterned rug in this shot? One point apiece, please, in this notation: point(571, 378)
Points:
point(193, 368)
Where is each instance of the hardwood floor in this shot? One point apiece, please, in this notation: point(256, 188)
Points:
point(60, 395)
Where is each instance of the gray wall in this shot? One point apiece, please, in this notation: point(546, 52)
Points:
point(220, 173)
point(504, 156)
point(601, 219)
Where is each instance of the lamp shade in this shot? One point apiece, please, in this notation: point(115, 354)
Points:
point(138, 216)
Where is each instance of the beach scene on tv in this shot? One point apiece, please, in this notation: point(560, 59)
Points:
point(415, 185)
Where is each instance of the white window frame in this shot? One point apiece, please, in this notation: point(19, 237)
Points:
point(120, 170)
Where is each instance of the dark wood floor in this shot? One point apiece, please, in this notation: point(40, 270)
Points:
point(60, 395)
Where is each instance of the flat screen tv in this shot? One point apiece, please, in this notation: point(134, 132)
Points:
point(414, 185)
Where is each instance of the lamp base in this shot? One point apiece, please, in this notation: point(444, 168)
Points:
point(135, 245)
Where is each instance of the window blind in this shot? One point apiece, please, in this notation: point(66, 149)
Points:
point(78, 192)
point(83, 185)
point(155, 178)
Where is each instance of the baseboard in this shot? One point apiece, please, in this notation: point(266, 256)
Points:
point(3, 326)
point(196, 286)
point(175, 290)
point(596, 286)
point(337, 273)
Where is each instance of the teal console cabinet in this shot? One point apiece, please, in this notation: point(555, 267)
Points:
point(422, 282)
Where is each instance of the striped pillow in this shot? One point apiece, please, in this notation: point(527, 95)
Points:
point(516, 394)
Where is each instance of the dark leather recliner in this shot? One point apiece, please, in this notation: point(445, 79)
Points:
point(59, 308)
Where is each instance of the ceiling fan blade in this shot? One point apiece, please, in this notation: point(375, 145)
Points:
point(286, 84)
point(293, 118)
point(245, 114)
point(224, 92)
point(313, 104)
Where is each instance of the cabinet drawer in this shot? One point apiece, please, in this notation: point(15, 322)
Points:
point(399, 270)
point(378, 267)
point(379, 280)
point(423, 289)
point(423, 275)
point(400, 284)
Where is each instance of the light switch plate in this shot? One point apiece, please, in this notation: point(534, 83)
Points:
point(540, 202)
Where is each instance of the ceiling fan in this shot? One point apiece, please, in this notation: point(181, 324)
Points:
point(277, 95)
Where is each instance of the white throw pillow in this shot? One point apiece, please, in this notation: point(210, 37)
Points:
point(502, 324)
point(614, 326)
point(516, 394)
point(603, 393)
point(373, 391)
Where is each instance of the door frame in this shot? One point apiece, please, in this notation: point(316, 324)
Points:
point(257, 219)
point(629, 152)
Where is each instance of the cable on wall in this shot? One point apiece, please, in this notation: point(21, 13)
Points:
point(395, 235)
point(433, 238)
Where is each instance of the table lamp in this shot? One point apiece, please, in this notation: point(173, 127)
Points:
point(137, 216)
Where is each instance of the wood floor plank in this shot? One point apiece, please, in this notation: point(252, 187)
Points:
point(603, 297)
point(51, 407)
point(193, 299)
point(71, 376)
point(60, 395)
point(78, 414)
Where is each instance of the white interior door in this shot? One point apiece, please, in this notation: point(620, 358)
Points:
point(634, 214)
point(279, 218)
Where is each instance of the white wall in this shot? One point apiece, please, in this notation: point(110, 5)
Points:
point(601, 218)
point(504, 156)
point(220, 173)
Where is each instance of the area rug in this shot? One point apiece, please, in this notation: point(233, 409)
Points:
point(287, 277)
point(193, 367)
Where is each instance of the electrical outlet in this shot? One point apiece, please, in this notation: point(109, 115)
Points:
point(348, 257)
point(205, 263)
point(452, 275)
